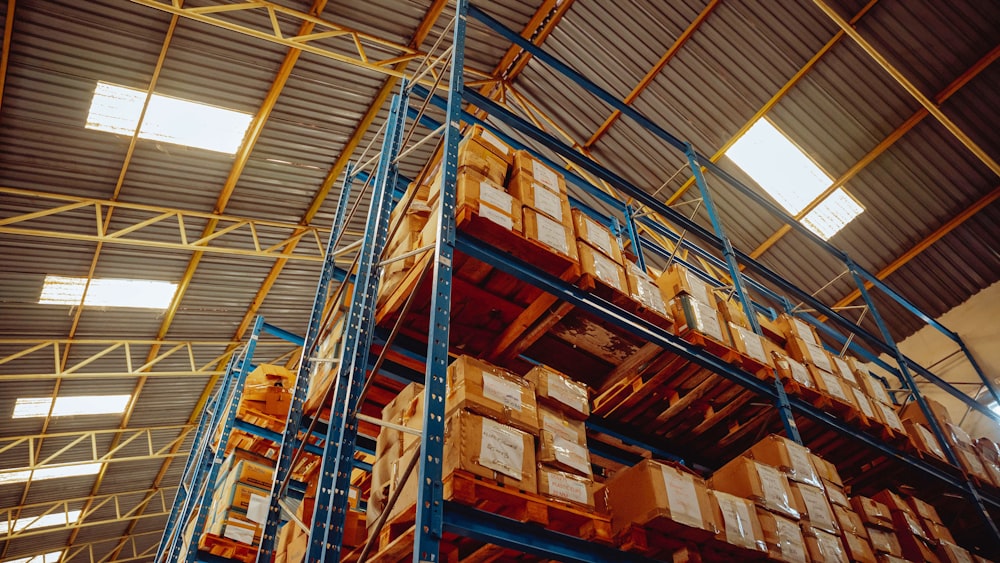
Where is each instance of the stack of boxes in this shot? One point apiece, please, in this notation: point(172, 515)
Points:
point(692, 304)
point(545, 205)
point(979, 458)
point(268, 390)
point(600, 252)
point(241, 498)
point(878, 525)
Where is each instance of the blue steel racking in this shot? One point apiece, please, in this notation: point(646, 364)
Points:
point(435, 515)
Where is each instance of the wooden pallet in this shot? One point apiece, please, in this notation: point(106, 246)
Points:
point(656, 545)
point(227, 548)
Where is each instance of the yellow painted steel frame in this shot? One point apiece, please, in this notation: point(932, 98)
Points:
point(89, 552)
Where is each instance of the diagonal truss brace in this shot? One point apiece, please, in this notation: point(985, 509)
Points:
point(132, 549)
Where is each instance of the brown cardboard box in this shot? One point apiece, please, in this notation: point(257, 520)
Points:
point(794, 327)
point(677, 280)
point(872, 512)
point(643, 289)
point(560, 453)
point(737, 522)
point(748, 343)
point(277, 401)
point(601, 267)
point(233, 525)
point(923, 439)
point(551, 203)
point(836, 495)
point(233, 495)
point(948, 552)
point(843, 369)
point(858, 549)
point(849, 521)
point(912, 411)
point(826, 470)
point(971, 463)
point(783, 538)
point(491, 142)
point(281, 545)
point(691, 314)
point(823, 547)
point(264, 376)
point(793, 370)
point(355, 529)
point(791, 458)
point(490, 391)
point(246, 471)
point(488, 199)
point(770, 329)
point(556, 423)
point(905, 523)
point(831, 385)
point(763, 484)
point(956, 435)
point(863, 402)
point(552, 234)
point(732, 311)
point(566, 486)
point(884, 541)
point(924, 510)
point(477, 156)
point(597, 236)
point(524, 163)
point(405, 410)
point(989, 454)
point(873, 387)
point(893, 501)
point(815, 506)
point(560, 392)
point(660, 496)
point(809, 353)
point(888, 415)
point(298, 545)
point(936, 532)
point(916, 548)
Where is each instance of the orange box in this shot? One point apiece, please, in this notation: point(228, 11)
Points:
point(560, 392)
point(887, 414)
point(643, 289)
point(488, 199)
point(873, 388)
point(849, 521)
point(823, 547)
point(826, 470)
point(858, 549)
point(566, 486)
point(551, 203)
point(748, 343)
point(912, 411)
point(783, 538)
point(732, 311)
point(691, 314)
point(831, 385)
point(936, 532)
point(595, 263)
point(793, 326)
point(597, 236)
point(793, 370)
point(551, 233)
point(491, 142)
point(677, 280)
point(906, 523)
point(836, 495)
point(277, 401)
point(948, 552)
point(737, 521)
point(809, 353)
point(788, 456)
point(565, 455)
point(661, 497)
point(893, 501)
point(924, 510)
point(491, 391)
point(763, 484)
point(526, 164)
point(478, 156)
point(885, 541)
point(815, 506)
point(872, 512)
point(923, 439)
point(843, 369)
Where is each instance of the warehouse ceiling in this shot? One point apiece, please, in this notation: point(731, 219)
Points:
point(242, 233)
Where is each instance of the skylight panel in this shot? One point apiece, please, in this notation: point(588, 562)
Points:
point(792, 178)
point(51, 557)
point(32, 407)
point(43, 521)
point(116, 109)
point(107, 292)
point(77, 470)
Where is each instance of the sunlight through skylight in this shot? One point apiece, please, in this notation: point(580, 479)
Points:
point(33, 407)
point(51, 557)
point(77, 470)
point(43, 521)
point(792, 179)
point(116, 109)
point(140, 294)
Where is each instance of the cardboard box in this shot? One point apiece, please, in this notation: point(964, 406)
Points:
point(597, 236)
point(924, 510)
point(823, 547)
point(872, 512)
point(477, 156)
point(661, 496)
point(858, 549)
point(490, 391)
point(560, 453)
point(936, 532)
point(691, 314)
point(916, 548)
point(546, 201)
point(912, 411)
point(884, 541)
point(246, 471)
point(971, 463)
point(601, 267)
point(783, 538)
point(989, 454)
point(948, 552)
point(488, 199)
point(849, 521)
point(826, 470)
point(887, 414)
point(405, 410)
point(559, 391)
point(281, 543)
point(732, 311)
point(863, 402)
point(643, 289)
point(298, 545)
point(923, 439)
point(836, 495)
point(956, 435)
point(843, 369)
point(552, 234)
point(893, 501)
point(233, 495)
point(491, 142)
point(791, 458)
point(277, 401)
point(795, 371)
point(763, 484)
point(556, 423)
point(677, 280)
point(906, 524)
point(770, 329)
point(526, 164)
point(748, 343)
point(264, 376)
point(809, 353)
point(831, 385)
point(737, 522)
point(794, 327)
point(815, 507)
point(355, 529)
point(566, 486)
point(873, 388)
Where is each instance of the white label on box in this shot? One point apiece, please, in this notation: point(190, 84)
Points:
point(773, 485)
point(817, 507)
point(567, 488)
point(647, 293)
point(804, 470)
point(831, 548)
point(552, 234)
point(752, 343)
point(930, 440)
point(498, 217)
point(558, 427)
point(890, 417)
point(708, 321)
point(971, 461)
point(502, 449)
point(833, 386)
point(792, 547)
point(879, 390)
point(804, 331)
point(494, 141)
point(257, 508)
point(819, 358)
point(800, 373)
point(598, 236)
point(568, 393)
point(845, 370)
point(702, 291)
point(736, 518)
point(507, 393)
point(544, 175)
point(547, 201)
point(862, 400)
point(495, 196)
point(682, 496)
point(572, 454)
point(837, 496)
point(607, 271)
point(237, 533)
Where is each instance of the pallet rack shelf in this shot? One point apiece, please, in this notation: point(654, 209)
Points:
point(367, 342)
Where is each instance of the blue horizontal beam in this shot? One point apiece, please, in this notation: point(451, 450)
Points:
point(283, 334)
point(269, 435)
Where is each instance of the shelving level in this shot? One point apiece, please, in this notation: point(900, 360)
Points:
point(514, 303)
